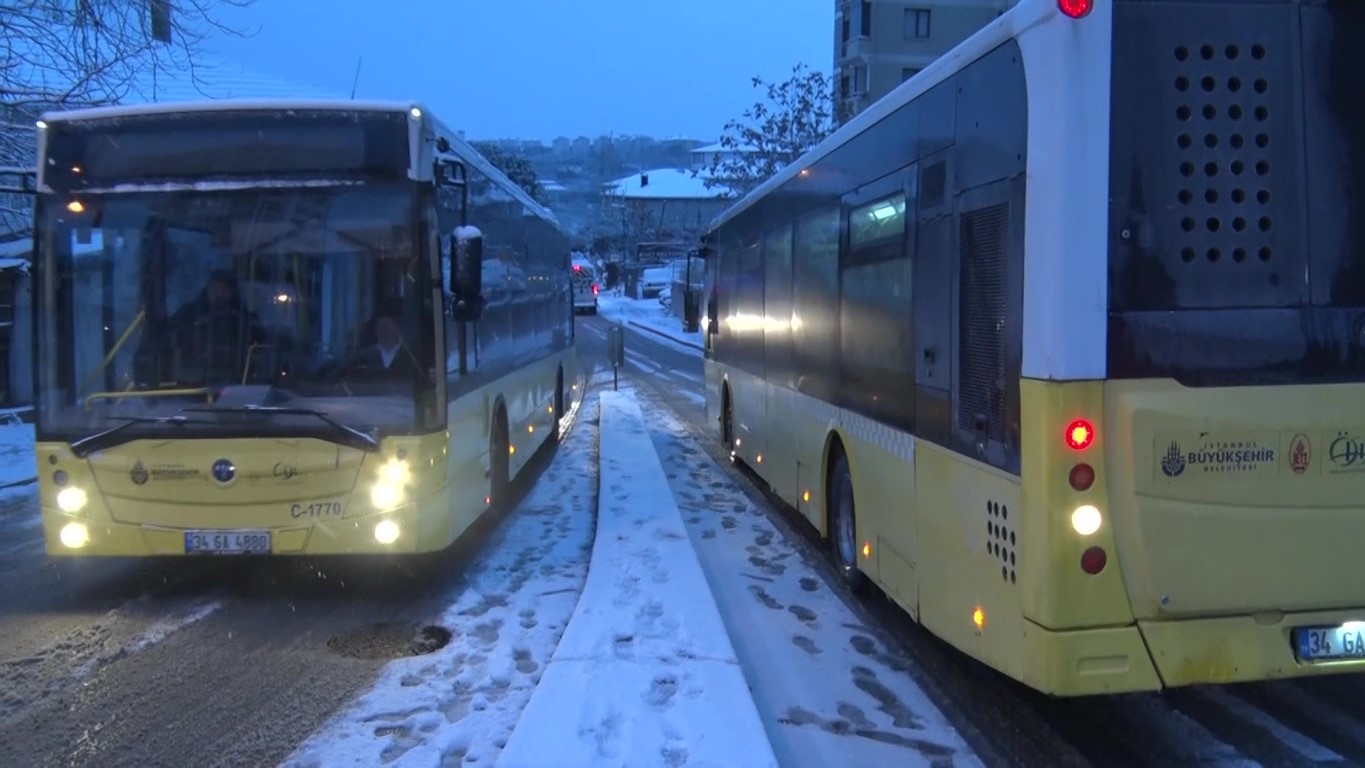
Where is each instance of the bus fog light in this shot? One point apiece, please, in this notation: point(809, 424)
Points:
point(386, 532)
point(1085, 519)
point(74, 535)
point(71, 499)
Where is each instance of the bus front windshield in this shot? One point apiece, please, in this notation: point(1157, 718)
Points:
point(250, 312)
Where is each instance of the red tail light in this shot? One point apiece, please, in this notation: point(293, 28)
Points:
point(1082, 477)
point(578, 267)
point(1079, 434)
point(1075, 8)
point(594, 289)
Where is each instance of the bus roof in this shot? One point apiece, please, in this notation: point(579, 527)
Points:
point(1007, 26)
point(226, 105)
point(459, 148)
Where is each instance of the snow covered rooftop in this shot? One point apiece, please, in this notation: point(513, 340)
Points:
point(662, 184)
point(720, 148)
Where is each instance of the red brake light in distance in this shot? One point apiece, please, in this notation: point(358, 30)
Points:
point(1075, 8)
point(594, 289)
point(1079, 434)
point(578, 267)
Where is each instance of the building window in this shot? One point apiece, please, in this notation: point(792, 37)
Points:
point(860, 79)
point(844, 29)
point(865, 19)
point(843, 86)
point(909, 72)
point(916, 23)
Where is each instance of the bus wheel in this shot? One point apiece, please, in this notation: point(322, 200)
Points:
point(842, 529)
point(559, 403)
point(727, 420)
point(499, 461)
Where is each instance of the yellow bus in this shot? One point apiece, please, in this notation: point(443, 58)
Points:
point(286, 328)
point(1062, 343)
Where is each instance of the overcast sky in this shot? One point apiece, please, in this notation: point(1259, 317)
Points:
point(542, 68)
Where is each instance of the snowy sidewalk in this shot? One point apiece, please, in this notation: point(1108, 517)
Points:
point(649, 315)
point(645, 673)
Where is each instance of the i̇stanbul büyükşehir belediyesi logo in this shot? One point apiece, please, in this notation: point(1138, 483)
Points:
point(1224, 456)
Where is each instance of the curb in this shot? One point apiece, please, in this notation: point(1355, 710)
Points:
point(661, 334)
point(645, 669)
point(17, 483)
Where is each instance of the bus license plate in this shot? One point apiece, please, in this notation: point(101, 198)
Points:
point(227, 542)
point(1330, 643)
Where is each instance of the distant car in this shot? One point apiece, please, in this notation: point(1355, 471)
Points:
point(584, 289)
point(654, 280)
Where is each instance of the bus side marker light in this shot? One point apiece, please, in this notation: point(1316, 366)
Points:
point(805, 495)
point(1093, 560)
point(867, 549)
point(979, 619)
point(1086, 519)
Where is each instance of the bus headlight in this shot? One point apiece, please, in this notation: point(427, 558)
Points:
point(1085, 519)
point(386, 532)
point(71, 500)
point(74, 535)
point(386, 495)
point(388, 490)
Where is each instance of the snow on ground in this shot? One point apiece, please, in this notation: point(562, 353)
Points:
point(460, 703)
point(17, 462)
point(651, 315)
point(645, 673)
point(829, 692)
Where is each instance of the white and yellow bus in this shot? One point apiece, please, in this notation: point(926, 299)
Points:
point(1062, 343)
point(286, 328)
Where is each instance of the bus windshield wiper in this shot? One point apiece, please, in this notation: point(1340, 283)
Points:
point(348, 436)
point(111, 436)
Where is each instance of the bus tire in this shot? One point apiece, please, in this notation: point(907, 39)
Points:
point(842, 523)
point(727, 418)
point(499, 460)
point(559, 404)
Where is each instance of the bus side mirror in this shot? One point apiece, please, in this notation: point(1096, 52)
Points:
point(467, 275)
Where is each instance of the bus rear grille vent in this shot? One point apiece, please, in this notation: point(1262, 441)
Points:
point(981, 363)
point(1001, 542)
point(1222, 123)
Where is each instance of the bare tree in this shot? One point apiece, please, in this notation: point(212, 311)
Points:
point(71, 53)
point(793, 116)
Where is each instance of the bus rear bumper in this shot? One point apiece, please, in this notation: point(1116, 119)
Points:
point(1237, 649)
point(75, 537)
point(1085, 662)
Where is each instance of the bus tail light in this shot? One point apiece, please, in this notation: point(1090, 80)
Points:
point(1082, 477)
point(1079, 435)
point(1093, 560)
point(1076, 9)
point(594, 289)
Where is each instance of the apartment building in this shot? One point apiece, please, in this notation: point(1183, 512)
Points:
point(879, 44)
